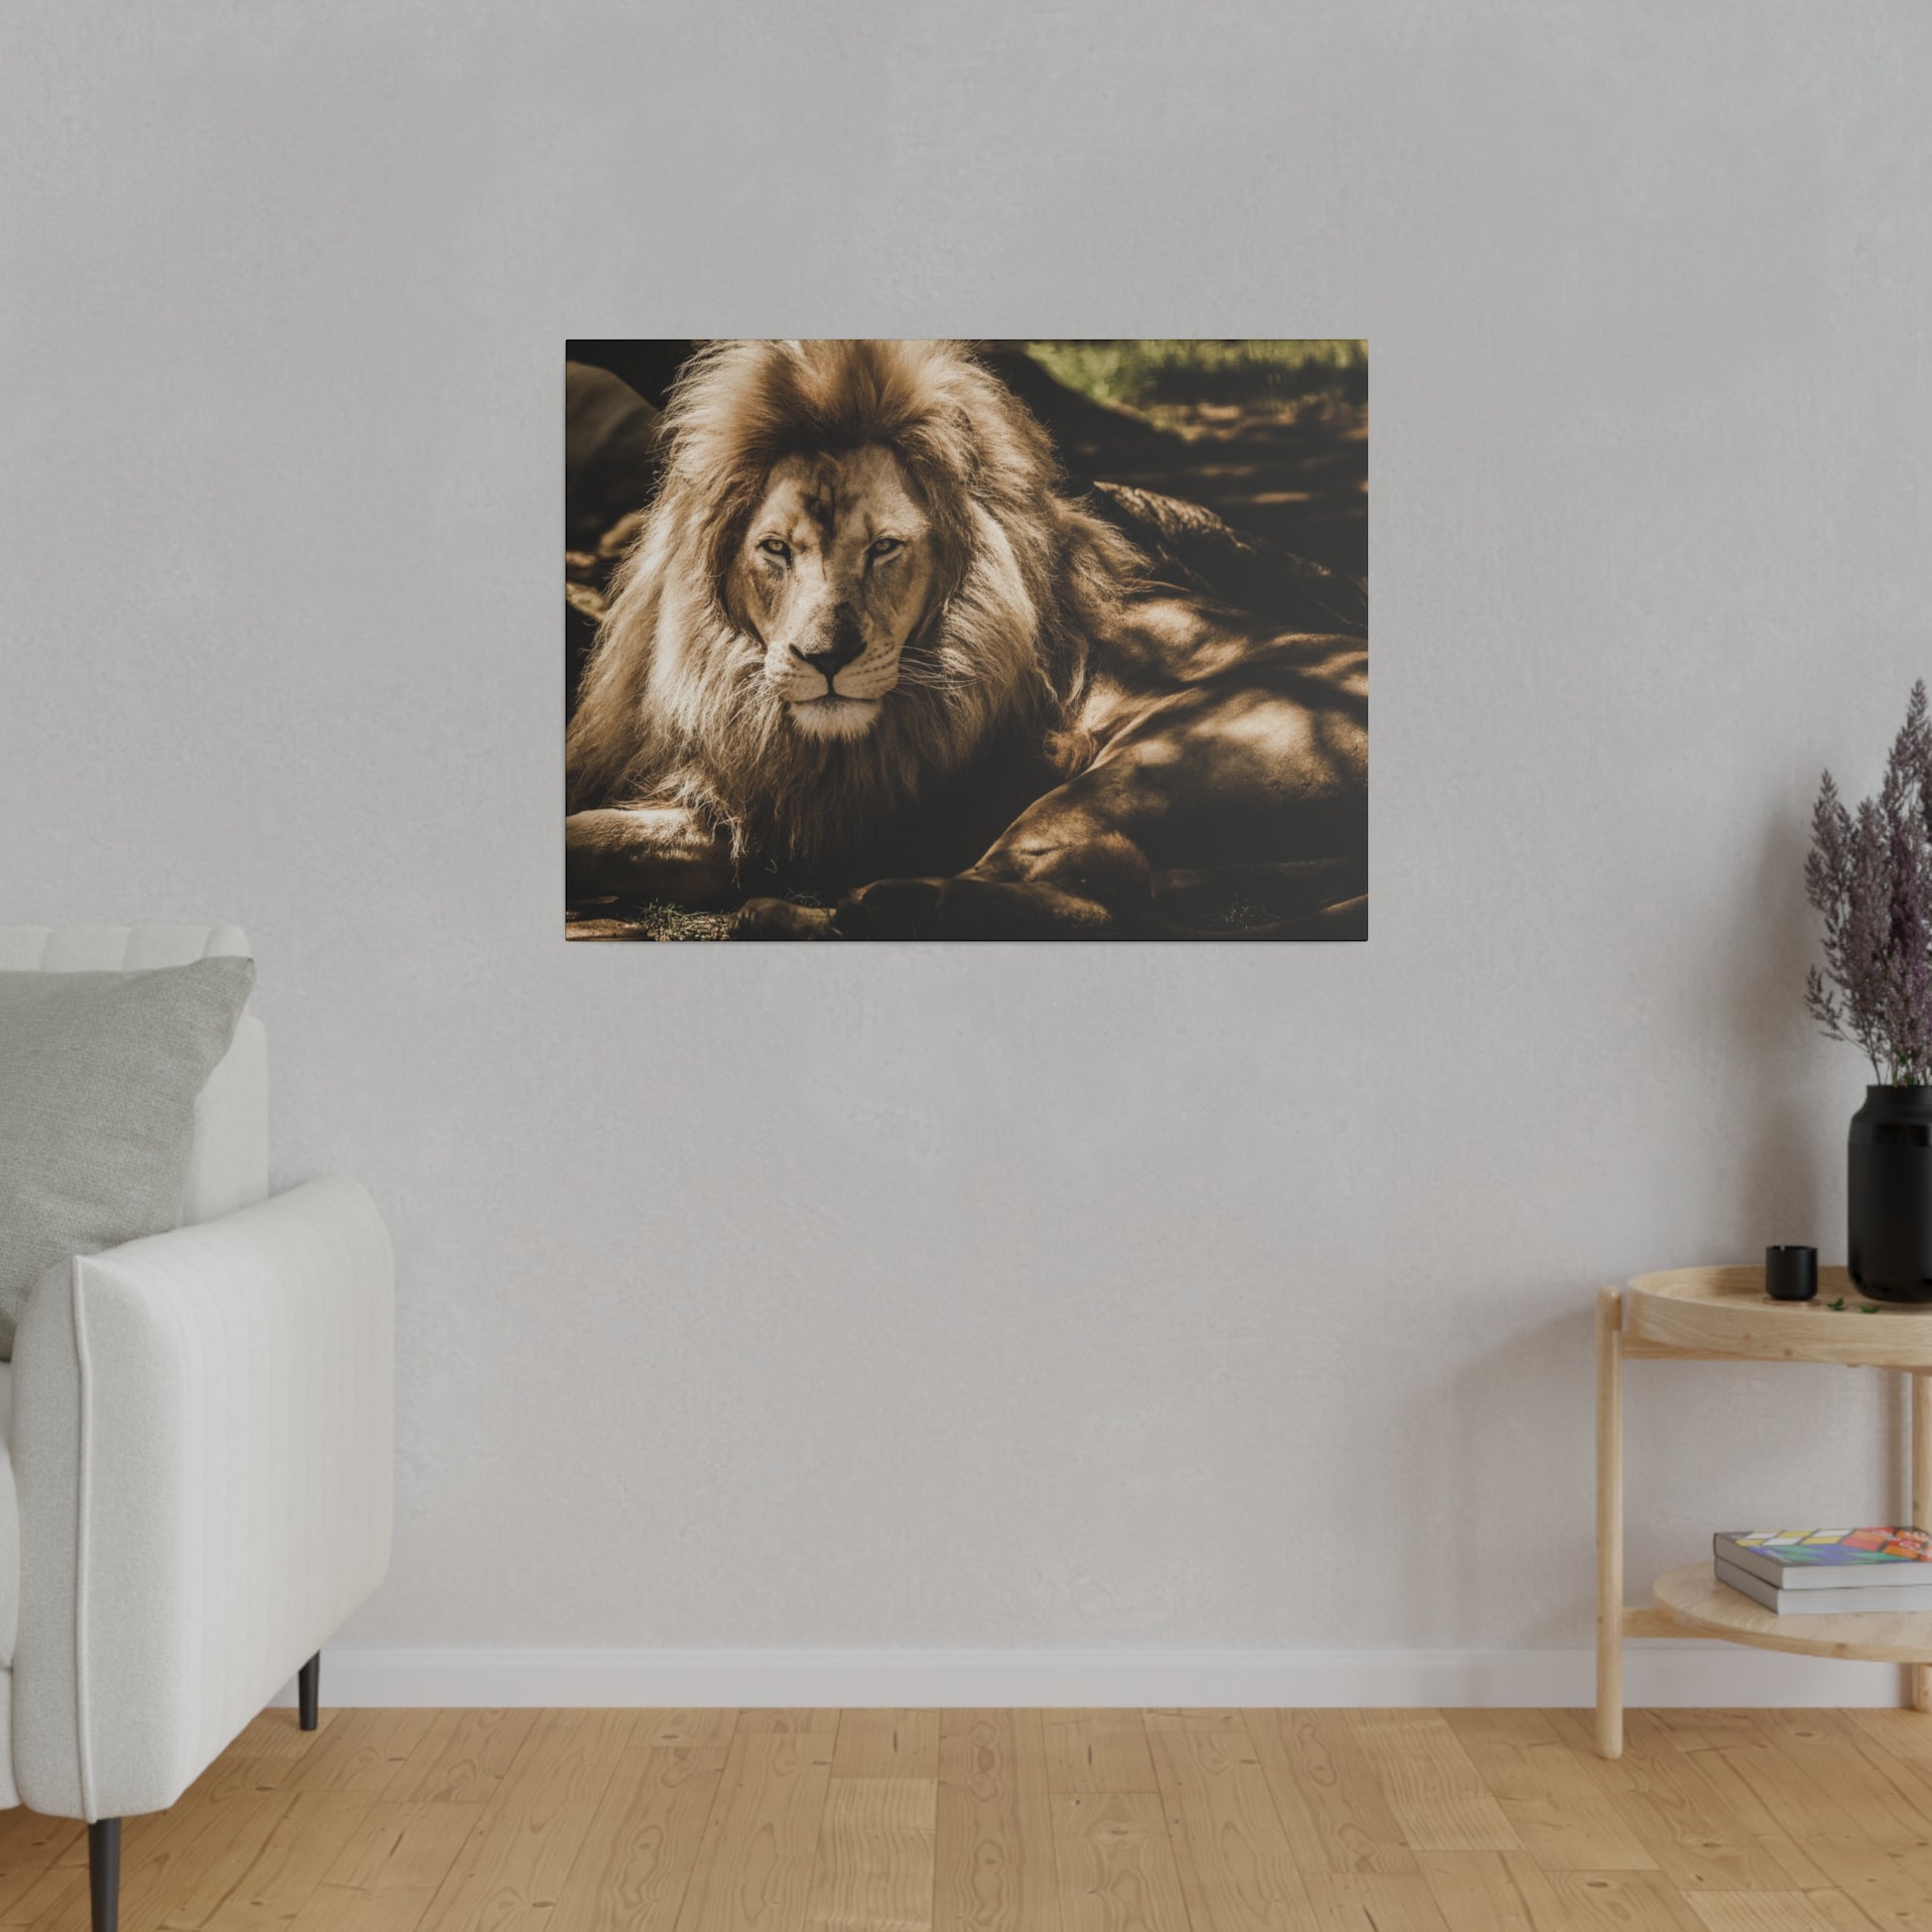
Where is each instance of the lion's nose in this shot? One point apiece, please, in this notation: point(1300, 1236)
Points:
point(835, 646)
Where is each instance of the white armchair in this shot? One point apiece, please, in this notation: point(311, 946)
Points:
point(199, 1460)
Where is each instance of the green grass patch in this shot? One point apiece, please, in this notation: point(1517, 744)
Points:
point(1145, 374)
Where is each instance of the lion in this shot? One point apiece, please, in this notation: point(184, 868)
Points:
point(866, 651)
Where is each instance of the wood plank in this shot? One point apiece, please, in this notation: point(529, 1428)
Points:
point(157, 1852)
point(686, 1727)
point(757, 1868)
point(56, 1895)
point(1697, 1842)
point(279, 1733)
point(1373, 1901)
point(462, 1759)
point(1902, 1734)
point(644, 1843)
point(1618, 1902)
point(1230, 1726)
point(513, 1866)
point(1710, 1774)
point(385, 1876)
point(1886, 1802)
point(1491, 1891)
point(179, 1876)
point(1699, 1729)
point(291, 1862)
point(1890, 1884)
point(1116, 1867)
point(800, 1723)
point(1330, 1805)
point(873, 1868)
point(1552, 1797)
point(362, 1750)
point(993, 1867)
point(1779, 1911)
point(1895, 1744)
point(1774, 1795)
point(32, 1846)
point(886, 1745)
point(1435, 1793)
point(61, 1899)
point(1237, 1871)
point(1802, 1872)
point(1707, 1772)
point(1097, 1750)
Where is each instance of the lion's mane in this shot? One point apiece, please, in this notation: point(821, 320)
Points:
point(676, 706)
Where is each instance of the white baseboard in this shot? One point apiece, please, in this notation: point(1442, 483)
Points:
point(1665, 1675)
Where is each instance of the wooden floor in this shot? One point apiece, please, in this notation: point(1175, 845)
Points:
point(1029, 1820)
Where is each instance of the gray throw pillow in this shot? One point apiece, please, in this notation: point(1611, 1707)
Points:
point(99, 1074)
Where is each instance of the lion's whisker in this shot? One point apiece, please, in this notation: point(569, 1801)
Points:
point(939, 681)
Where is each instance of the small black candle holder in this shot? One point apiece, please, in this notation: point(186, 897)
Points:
point(1791, 1274)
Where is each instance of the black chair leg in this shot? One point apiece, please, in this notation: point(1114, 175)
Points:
point(309, 1690)
point(105, 1873)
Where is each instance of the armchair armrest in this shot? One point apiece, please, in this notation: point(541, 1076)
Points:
point(202, 1453)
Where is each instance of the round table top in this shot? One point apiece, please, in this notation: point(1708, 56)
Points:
point(1693, 1598)
point(1726, 1312)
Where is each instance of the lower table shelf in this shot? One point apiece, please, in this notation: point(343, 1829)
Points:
point(1694, 1598)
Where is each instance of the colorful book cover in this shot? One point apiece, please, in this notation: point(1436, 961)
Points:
point(1820, 1549)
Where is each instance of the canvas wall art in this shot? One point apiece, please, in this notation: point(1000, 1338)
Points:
point(966, 640)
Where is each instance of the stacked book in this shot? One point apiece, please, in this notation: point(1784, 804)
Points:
point(1827, 1572)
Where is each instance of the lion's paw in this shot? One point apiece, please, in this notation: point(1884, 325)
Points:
point(893, 908)
point(778, 919)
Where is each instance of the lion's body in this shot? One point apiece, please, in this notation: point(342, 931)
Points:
point(865, 643)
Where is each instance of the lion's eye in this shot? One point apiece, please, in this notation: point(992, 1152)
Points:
point(886, 546)
point(776, 547)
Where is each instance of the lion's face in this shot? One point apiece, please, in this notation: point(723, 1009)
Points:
point(834, 573)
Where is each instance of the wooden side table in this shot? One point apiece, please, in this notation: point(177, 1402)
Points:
point(1704, 1314)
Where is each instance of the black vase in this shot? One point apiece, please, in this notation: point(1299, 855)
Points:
point(1890, 1198)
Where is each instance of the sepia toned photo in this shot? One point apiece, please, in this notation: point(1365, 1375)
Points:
point(936, 640)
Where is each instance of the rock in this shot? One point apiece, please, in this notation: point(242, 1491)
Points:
point(612, 452)
point(1187, 543)
point(648, 363)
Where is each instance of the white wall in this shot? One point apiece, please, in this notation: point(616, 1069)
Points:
point(1172, 1298)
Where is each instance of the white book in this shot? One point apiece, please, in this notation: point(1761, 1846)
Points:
point(1899, 1599)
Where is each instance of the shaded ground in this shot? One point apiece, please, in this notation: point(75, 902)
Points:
point(1300, 481)
point(1295, 474)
